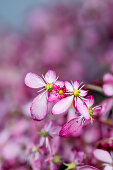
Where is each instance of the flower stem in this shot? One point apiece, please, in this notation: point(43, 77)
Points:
point(95, 88)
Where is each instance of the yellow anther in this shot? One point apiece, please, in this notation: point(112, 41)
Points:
point(35, 149)
point(61, 92)
point(90, 112)
point(44, 134)
point(49, 86)
point(76, 92)
point(57, 159)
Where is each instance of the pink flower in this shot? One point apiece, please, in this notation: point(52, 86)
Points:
point(107, 105)
point(76, 161)
point(34, 157)
point(105, 157)
point(58, 93)
point(74, 124)
point(108, 84)
point(39, 106)
point(47, 133)
point(76, 94)
point(89, 100)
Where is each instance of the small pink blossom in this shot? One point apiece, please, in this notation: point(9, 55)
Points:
point(58, 93)
point(76, 95)
point(46, 134)
point(107, 105)
point(39, 106)
point(74, 124)
point(89, 100)
point(108, 84)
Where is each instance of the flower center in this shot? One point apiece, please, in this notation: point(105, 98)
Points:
point(61, 92)
point(90, 112)
point(49, 86)
point(57, 159)
point(76, 92)
point(35, 149)
point(44, 134)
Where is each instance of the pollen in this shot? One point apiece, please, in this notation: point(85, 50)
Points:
point(35, 149)
point(44, 134)
point(90, 112)
point(57, 159)
point(49, 86)
point(76, 92)
point(61, 92)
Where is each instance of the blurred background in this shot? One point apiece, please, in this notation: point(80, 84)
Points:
point(75, 38)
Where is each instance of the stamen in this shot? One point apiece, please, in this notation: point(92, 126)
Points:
point(41, 90)
point(81, 98)
point(44, 78)
point(43, 93)
point(80, 118)
point(72, 82)
point(83, 121)
point(69, 93)
point(82, 86)
point(57, 78)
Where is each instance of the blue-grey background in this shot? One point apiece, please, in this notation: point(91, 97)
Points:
point(12, 12)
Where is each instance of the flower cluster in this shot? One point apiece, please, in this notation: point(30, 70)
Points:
point(65, 95)
point(75, 39)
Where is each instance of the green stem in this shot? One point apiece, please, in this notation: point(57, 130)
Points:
point(95, 88)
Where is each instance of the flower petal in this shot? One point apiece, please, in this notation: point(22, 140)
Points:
point(89, 100)
point(71, 114)
point(102, 155)
point(107, 105)
point(70, 127)
point(53, 97)
point(87, 167)
point(108, 77)
point(108, 167)
point(97, 109)
point(59, 83)
point(50, 76)
point(62, 105)
point(39, 106)
point(69, 87)
point(83, 93)
point(108, 89)
point(82, 108)
point(34, 81)
point(76, 84)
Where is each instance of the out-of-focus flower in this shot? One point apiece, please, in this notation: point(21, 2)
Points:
point(76, 162)
point(108, 84)
point(104, 157)
point(46, 134)
point(107, 105)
